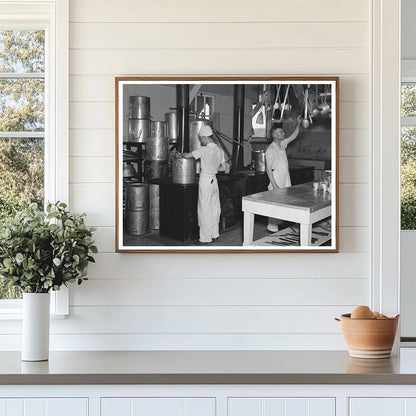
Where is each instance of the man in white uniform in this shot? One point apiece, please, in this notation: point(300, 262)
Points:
point(209, 209)
point(277, 165)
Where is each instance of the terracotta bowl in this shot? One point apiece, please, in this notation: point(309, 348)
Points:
point(369, 338)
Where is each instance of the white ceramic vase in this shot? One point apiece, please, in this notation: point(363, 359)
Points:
point(35, 326)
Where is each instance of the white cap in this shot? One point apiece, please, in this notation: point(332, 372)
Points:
point(205, 131)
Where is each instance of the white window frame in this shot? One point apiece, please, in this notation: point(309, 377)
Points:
point(53, 17)
point(385, 183)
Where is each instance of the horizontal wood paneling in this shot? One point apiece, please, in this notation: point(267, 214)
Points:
point(231, 266)
point(99, 88)
point(143, 342)
point(92, 115)
point(91, 169)
point(354, 142)
point(354, 239)
point(219, 291)
point(218, 11)
point(354, 205)
point(95, 143)
point(220, 62)
point(104, 238)
point(200, 319)
point(221, 35)
point(96, 199)
point(354, 169)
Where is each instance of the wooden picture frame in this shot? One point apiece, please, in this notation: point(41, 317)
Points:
point(161, 175)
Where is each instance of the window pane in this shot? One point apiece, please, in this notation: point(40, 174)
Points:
point(21, 182)
point(408, 178)
point(199, 104)
point(21, 173)
point(408, 106)
point(22, 51)
point(22, 105)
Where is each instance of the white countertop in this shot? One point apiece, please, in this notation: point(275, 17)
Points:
point(208, 367)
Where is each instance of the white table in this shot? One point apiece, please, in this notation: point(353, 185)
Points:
point(299, 203)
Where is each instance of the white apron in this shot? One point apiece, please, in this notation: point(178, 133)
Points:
point(209, 208)
point(280, 170)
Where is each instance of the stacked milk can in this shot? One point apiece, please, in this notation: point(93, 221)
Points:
point(142, 199)
point(157, 151)
point(137, 193)
point(139, 118)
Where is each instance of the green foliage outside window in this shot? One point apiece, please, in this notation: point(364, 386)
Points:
point(21, 110)
point(408, 179)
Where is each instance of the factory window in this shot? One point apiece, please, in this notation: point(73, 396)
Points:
point(408, 155)
point(204, 106)
point(33, 133)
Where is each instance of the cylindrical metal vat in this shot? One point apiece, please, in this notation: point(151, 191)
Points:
point(139, 106)
point(172, 126)
point(126, 182)
point(137, 197)
point(139, 130)
point(158, 129)
point(157, 148)
point(154, 213)
point(194, 127)
point(137, 209)
point(137, 222)
point(155, 169)
point(183, 170)
point(259, 159)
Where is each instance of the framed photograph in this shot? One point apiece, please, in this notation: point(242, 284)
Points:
point(226, 164)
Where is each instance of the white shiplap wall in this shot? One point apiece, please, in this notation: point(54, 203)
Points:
point(214, 301)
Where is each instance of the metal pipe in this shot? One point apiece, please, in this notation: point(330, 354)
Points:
point(182, 105)
point(238, 127)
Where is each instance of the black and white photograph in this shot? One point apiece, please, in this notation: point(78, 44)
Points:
point(227, 164)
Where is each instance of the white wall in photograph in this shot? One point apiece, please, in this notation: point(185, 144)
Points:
point(214, 301)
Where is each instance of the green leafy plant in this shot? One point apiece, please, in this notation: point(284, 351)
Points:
point(43, 251)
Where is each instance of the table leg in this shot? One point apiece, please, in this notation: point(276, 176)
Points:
point(305, 234)
point(248, 228)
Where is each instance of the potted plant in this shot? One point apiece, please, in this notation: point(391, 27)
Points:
point(40, 252)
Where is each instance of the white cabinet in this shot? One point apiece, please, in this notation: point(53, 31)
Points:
point(157, 406)
point(44, 407)
point(272, 406)
point(382, 406)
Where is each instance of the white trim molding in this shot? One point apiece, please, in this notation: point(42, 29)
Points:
point(386, 156)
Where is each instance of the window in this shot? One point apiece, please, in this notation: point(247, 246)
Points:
point(22, 124)
point(33, 110)
point(204, 106)
point(408, 155)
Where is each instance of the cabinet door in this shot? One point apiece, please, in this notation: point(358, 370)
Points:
point(377, 406)
point(281, 406)
point(154, 406)
point(44, 407)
